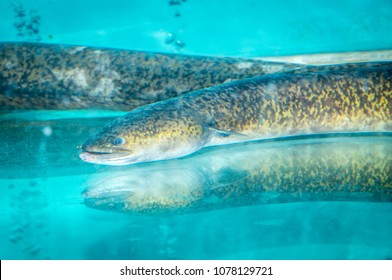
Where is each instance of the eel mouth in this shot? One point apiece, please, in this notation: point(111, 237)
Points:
point(98, 153)
point(108, 156)
point(107, 200)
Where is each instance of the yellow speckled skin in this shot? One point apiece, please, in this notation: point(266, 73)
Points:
point(328, 99)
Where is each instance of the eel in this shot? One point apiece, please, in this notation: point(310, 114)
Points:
point(318, 100)
point(66, 77)
point(48, 76)
point(266, 172)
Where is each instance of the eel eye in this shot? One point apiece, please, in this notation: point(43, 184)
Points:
point(118, 141)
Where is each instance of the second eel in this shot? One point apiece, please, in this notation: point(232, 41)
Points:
point(47, 76)
point(38, 76)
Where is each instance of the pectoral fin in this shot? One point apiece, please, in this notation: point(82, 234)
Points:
point(225, 133)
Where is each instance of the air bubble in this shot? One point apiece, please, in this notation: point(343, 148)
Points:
point(47, 131)
point(170, 37)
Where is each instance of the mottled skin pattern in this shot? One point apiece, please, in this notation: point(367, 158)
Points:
point(356, 169)
point(45, 76)
point(347, 98)
point(331, 99)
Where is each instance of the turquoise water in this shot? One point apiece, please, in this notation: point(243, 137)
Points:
point(43, 183)
point(231, 27)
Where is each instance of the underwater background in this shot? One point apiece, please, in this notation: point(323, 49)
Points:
point(44, 214)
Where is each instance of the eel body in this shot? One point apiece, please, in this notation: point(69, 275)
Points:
point(46, 76)
point(327, 99)
point(328, 169)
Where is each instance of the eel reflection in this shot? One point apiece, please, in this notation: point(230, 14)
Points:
point(318, 169)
